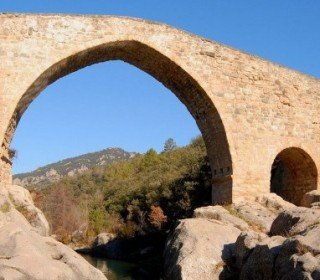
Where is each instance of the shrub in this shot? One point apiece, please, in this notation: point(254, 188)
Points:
point(156, 217)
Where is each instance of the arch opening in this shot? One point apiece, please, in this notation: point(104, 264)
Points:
point(293, 174)
point(166, 71)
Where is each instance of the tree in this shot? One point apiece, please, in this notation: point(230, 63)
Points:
point(156, 217)
point(169, 145)
point(62, 209)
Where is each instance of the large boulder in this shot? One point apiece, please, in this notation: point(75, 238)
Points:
point(259, 217)
point(244, 245)
point(255, 254)
point(309, 239)
point(103, 238)
point(221, 214)
point(37, 257)
point(274, 202)
point(294, 221)
point(295, 262)
point(199, 249)
point(21, 199)
point(276, 240)
point(259, 265)
point(310, 199)
point(26, 253)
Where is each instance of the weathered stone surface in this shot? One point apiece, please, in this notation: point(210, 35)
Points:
point(274, 202)
point(257, 216)
point(294, 262)
point(244, 245)
point(310, 198)
point(22, 201)
point(277, 108)
point(310, 238)
point(260, 211)
point(295, 221)
point(198, 249)
point(255, 255)
point(259, 264)
point(315, 205)
point(103, 238)
point(25, 254)
point(78, 236)
point(221, 214)
point(37, 257)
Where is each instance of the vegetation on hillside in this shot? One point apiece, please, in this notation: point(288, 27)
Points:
point(145, 194)
point(43, 176)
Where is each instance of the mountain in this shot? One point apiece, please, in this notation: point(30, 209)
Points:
point(71, 166)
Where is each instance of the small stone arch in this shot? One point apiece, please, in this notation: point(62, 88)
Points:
point(293, 174)
point(171, 75)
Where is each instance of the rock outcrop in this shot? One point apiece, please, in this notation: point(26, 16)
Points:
point(294, 221)
point(21, 199)
point(26, 252)
point(198, 249)
point(262, 238)
point(311, 199)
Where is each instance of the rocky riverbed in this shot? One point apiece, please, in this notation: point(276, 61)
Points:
point(261, 238)
point(254, 238)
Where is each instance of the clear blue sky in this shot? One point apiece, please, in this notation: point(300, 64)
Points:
point(114, 104)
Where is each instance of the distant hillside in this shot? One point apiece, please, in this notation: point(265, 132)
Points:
point(71, 166)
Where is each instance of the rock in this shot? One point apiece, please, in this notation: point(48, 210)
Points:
point(221, 214)
point(295, 221)
point(25, 254)
point(274, 243)
point(37, 257)
point(22, 201)
point(255, 257)
point(103, 238)
point(244, 245)
point(309, 239)
point(294, 262)
point(310, 197)
point(78, 236)
point(274, 202)
point(259, 265)
point(315, 205)
point(198, 249)
point(257, 216)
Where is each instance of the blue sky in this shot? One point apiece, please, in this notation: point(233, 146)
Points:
point(114, 104)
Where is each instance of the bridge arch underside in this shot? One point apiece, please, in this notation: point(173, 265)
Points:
point(293, 174)
point(171, 75)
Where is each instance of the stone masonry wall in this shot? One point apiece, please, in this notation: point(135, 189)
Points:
point(247, 109)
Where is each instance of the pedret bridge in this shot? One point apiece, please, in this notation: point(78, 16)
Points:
point(260, 121)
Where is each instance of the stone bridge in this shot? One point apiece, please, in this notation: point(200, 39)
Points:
point(260, 121)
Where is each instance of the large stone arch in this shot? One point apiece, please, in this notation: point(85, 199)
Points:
point(171, 75)
point(248, 109)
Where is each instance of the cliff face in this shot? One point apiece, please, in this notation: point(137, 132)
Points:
point(26, 250)
point(266, 238)
point(70, 167)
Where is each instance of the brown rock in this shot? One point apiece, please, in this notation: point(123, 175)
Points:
point(310, 197)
